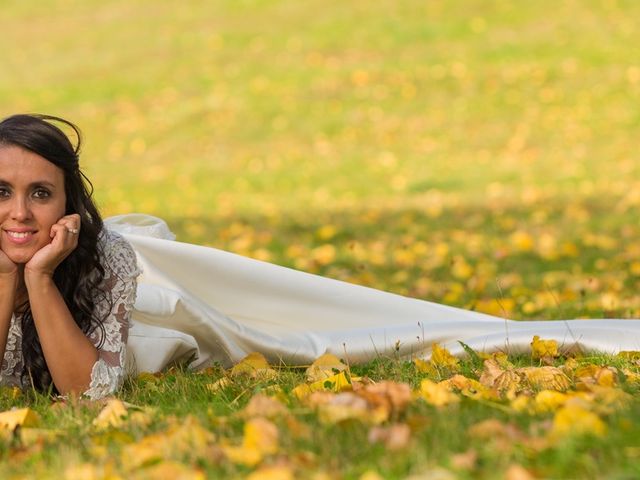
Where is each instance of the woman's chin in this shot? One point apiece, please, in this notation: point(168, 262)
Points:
point(19, 257)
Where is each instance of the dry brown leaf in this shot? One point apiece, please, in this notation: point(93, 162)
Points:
point(395, 436)
point(490, 372)
point(545, 378)
point(518, 472)
point(261, 405)
point(346, 406)
point(387, 394)
point(465, 461)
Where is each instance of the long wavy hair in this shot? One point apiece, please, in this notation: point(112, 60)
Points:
point(79, 276)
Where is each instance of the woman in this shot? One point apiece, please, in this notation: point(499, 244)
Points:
point(67, 286)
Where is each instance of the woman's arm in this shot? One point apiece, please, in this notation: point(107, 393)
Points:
point(69, 354)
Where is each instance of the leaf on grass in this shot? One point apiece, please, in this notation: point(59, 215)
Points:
point(260, 439)
point(254, 365)
point(424, 366)
point(347, 406)
point(518, 472)
point(574, 420)
point(25, 417)
point(470, 388)
point(395, 436)
point(272, 472)
point(335, 383)
point(30, 436)
point(596, 375)
point(543, 349)
point(545, 378)
point(261, 405)
point(437, 394)
point(550, 400)
point(169, 470)
point(391, 396)
point(112, 415)
point(324, 367)
point(185, 437)
point(442, 358)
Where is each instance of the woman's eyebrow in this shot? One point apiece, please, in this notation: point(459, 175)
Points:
point(37, 183)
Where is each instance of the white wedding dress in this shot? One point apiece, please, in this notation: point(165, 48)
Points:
point(200, 304)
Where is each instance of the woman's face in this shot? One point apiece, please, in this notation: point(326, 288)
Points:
point(32, 199)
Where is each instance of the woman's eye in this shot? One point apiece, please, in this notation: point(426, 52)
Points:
point(41, 193)
point(4, 192)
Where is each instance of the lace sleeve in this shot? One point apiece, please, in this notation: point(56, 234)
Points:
point(115, 308)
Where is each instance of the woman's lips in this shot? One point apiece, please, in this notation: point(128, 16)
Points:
point(19, 237)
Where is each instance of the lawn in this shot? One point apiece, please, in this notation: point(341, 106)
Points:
point(476, 153)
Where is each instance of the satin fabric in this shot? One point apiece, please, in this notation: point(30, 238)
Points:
point(198, 304)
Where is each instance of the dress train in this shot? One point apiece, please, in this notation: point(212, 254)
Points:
point(204, 304)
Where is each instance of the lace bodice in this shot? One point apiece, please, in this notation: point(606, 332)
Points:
point(119, 286)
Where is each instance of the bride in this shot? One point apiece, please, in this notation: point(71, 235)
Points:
point(76, 313)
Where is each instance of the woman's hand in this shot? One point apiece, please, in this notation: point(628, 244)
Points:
point(64, 239)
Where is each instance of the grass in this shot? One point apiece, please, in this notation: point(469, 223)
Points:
point(480, 154)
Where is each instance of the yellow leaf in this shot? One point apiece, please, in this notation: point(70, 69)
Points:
point(261, 405)
point(260, 439)
point(218, 385)
point(25, 417)
point(254, 365)
point(425, 367)
point(112, 415)
point(550, 400)
point(30, 436)
point(545, 378)
point(334, 383)
point(470, 388)
point(275, 472)
point(441, 357)
point(575, 420)
point(169, 469)
point(349, 406)
point(543, 348)
point(437, 394)
point(324, 367)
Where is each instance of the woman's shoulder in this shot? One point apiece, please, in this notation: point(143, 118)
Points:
point(117, 254)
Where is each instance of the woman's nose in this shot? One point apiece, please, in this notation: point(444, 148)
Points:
point(20, 209)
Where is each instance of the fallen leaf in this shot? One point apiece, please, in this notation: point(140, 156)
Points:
point(543, 349)
point(273, 472)
point(395, 436)
point(112, 414)
point(25, 417)
point(324, 367)
point(574, 420)
point(254, 365)
point(437, 394)
point(441, 357)
point(261, 405)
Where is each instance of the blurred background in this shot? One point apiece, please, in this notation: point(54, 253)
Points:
point(481, 153)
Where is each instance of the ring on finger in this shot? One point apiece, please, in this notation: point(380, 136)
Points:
point(72, 230)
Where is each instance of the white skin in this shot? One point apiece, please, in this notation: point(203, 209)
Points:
point(35, 237)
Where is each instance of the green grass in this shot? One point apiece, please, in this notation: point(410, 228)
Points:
point(477, 153)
